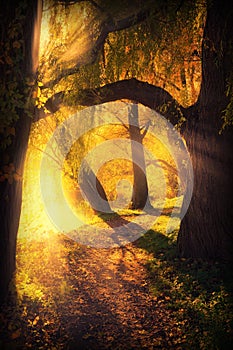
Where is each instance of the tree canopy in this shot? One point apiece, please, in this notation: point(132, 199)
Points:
point(154, 44)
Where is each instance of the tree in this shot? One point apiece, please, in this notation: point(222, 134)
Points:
point(206, 230)
point(19, 60)
point(20, 33)
point(140, 186)
point(93, 189)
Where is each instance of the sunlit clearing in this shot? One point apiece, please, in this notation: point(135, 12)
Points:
point(40, 244)
point(116, 175)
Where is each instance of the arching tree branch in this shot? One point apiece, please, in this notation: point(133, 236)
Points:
point(149, 95)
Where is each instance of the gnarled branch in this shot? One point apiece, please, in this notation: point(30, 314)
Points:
point(149, 95)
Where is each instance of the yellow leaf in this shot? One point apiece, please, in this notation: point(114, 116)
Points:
point(86, 336)
point(43, 99)
point(110, 338)
point(36, 319)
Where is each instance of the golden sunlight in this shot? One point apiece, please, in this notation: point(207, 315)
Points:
point(40, 238)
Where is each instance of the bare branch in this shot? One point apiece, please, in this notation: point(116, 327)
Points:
point(123, 124)
point(145, 129)
point(49, 155)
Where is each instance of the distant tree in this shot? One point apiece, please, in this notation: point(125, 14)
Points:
point(140, 196)
point(93, 190)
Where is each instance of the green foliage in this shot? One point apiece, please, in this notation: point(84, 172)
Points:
point(14, 87)
point(152, 48)
point(196, 292)
point(228, 112)
point(179, 304)
point(158, 50)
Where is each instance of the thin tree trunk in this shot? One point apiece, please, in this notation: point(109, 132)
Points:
point(140, 186)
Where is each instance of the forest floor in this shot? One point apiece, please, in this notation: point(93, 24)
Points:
point(140, 296)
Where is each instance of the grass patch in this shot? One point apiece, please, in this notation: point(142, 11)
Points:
point(198, 293)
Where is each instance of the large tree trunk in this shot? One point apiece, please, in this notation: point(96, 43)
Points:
point(10, 207)
point(11, 193)
point(206, 230)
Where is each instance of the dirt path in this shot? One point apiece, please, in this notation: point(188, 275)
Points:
point(117, 309)
point(76, 297)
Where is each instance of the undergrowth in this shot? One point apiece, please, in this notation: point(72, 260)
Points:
point(198, 293)
point(51, 268)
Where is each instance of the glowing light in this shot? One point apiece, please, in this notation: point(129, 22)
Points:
point(61, 141)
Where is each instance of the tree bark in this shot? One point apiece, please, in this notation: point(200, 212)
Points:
point(11, 193)
point(206, 230)
point(10, 208)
